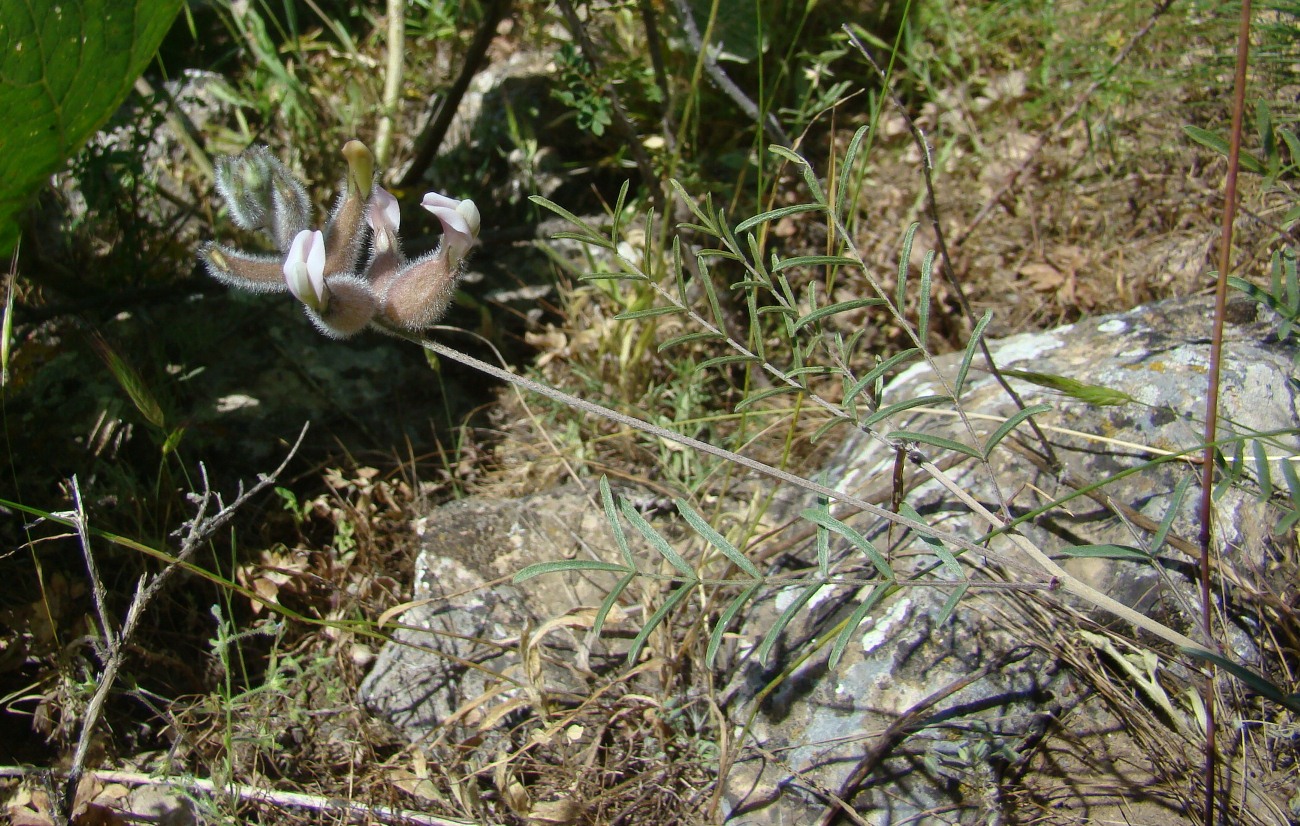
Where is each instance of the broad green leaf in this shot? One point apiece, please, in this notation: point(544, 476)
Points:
point(65, 67)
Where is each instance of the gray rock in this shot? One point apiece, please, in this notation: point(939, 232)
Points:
point(462, 639)
point(822, 724)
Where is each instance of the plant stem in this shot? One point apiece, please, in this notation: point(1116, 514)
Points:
point(1212, 396)
point(392, 80)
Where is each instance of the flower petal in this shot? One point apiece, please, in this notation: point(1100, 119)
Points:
point(304, 269)
point(383, 212)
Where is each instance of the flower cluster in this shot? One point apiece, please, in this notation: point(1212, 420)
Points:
point(322, 268)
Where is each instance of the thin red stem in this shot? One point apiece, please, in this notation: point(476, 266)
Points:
point(1212, 396)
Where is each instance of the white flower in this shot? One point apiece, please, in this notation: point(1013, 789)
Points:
point(460, 224)
point(304, 269)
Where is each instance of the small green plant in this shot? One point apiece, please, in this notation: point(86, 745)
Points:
point(582, 93)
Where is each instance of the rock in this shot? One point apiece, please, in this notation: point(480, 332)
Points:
point(837, 730)
point(466, 611)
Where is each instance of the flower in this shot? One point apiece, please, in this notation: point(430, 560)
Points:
point(304, 269)
point(460, 224)
point(320, 267)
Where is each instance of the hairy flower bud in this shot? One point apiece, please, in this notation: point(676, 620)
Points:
point(345, 229)
point(262, 194)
